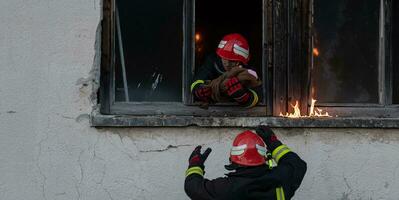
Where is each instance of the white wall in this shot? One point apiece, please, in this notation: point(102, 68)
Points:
point(49, 151)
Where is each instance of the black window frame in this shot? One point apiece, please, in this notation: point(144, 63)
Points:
point(286, 63)
point(185, 108)
point(384, 108)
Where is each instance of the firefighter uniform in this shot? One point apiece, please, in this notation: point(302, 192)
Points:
point(212, 69)
point(251, 183)
point(232, 47)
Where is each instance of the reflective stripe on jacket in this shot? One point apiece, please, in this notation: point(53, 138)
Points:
point(253, 183)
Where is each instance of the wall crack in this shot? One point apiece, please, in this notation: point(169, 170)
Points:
point(165, 149)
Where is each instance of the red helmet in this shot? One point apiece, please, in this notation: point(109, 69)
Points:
point(234, 47)
point(248, 149)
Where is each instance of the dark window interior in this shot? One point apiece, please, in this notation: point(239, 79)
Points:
point(395, 51)
point(152, 41)
point(346, 62)
point(214, 19)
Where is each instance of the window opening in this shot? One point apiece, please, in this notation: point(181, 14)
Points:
point(151, 44)
point(215, 19)
point(345, 51)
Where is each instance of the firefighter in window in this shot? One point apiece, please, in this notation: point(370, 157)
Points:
point(225, 76)
point(256, 173)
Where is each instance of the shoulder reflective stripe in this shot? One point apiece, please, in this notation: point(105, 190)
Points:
point(279, 152)
point(194, 170)
point(196, 83)
point(279, 156)
point(255, 101)
point(280, 193)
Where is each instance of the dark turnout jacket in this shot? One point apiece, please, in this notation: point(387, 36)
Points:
point(251, 183)
point(213, 68)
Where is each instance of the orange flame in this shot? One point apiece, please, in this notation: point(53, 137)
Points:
point(197, 37)
point(296, 114)
point(315, 52)
point(312, 113)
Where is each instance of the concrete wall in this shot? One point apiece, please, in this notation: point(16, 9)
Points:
point(49, 151)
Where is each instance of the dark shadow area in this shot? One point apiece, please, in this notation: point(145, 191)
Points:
point(346, 62)
point(152, 41)
point(214, 19)
point(395, 50)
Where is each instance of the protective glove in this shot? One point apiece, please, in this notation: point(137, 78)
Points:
point(268, 136)
point(235, 90)
point(203, 93)
point(197, 159)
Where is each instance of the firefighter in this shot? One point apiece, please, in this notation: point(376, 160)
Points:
point(253, 176)
point(232, 51)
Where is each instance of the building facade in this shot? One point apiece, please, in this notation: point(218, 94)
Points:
point(53, 145)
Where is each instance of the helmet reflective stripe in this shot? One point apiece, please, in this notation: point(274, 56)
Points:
point(261, 150)
point(240, 51)
point(222, 44)
point(238, 150)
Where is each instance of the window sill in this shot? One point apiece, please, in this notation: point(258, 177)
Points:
point(100, 120)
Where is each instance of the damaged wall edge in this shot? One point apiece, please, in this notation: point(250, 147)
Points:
point(99, 120)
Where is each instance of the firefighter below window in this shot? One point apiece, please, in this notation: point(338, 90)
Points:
point(225, 76)
point(257, 174)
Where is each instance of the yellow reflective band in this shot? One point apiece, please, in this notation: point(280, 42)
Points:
point(280, 193)
point(270, 164)
point(196, 83)
point(194, 170)
point(255, 101)
point(279, 152)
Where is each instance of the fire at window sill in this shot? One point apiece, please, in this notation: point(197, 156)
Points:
point(100, 120)
point(313, 112)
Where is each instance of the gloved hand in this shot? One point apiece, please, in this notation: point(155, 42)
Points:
point(235, 90)
point(197, 159)
point(203, 93)
point(268, 136)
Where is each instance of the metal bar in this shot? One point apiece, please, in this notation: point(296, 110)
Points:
point(118, 26)
point(265, 60)
point(269, 41)
point(388, 52)
point(275, 108)
point(185, 66)
point(188, 66)
point(309, 50)
point(113, 55)
point(288, 95)
point(381, 57)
